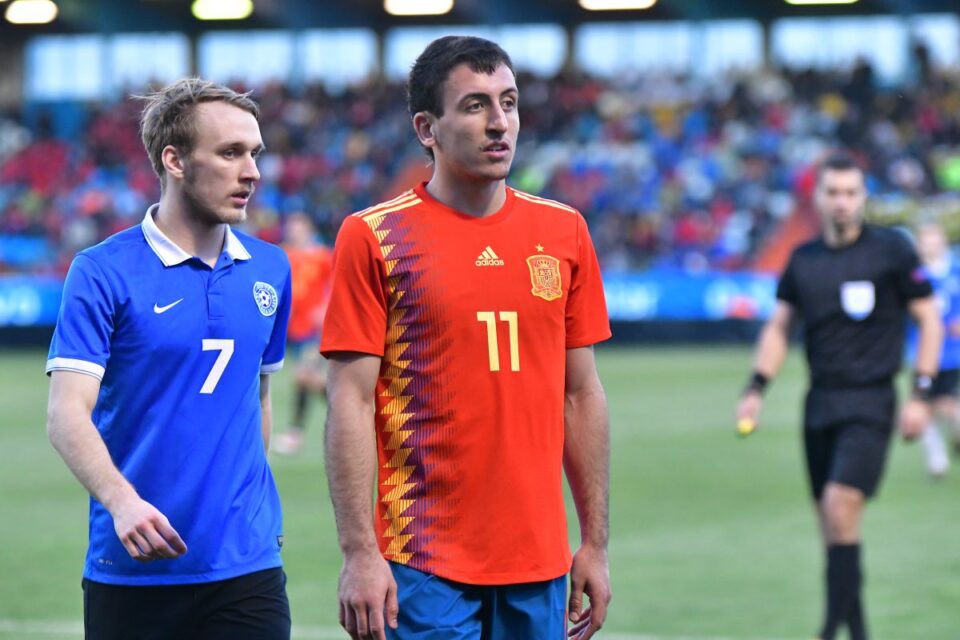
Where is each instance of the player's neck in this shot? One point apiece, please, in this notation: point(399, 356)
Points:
point(197, 238)
point(473, 197)
point(842, 236)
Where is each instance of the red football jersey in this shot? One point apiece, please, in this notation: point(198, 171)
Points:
point(310, 271)
point(473, 318)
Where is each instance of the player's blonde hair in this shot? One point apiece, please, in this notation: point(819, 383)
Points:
point(168, 115)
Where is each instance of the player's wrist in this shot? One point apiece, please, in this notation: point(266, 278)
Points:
point(117, 498)
point(922, 387)
point(757, 383)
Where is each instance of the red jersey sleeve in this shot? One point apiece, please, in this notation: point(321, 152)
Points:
point(586, 315)
point(356, 318)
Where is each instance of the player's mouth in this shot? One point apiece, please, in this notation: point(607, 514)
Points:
point(498, 150)
point(240, 198)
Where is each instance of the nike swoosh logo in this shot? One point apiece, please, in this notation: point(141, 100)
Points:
point(159, 309)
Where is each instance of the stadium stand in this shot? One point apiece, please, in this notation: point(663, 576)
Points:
point(670, 171)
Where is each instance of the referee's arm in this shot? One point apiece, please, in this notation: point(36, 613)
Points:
point(930, 332)
point(771, 351)
point(916, 411)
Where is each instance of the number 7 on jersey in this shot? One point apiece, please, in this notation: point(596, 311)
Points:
point(493, 346)
point(225, 347)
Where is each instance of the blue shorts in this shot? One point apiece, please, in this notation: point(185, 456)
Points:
point(433, 608)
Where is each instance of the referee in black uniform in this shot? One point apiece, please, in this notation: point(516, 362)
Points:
point(852, 289)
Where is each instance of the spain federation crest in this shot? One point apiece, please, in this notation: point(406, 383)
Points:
point(545, 277)
point(266, 297)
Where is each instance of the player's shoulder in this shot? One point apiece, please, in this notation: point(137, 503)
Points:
point(808, 249)
point(888, 235)
point(261, 249)
point(543, 206)
point(403, 202)
point(117, 252)
point(891, 243)
point(361, 225)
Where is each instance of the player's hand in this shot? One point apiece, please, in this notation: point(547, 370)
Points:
point(368, 594)
point(590, 576)
point(914, 418)
point(748, 411)
point(146, 533)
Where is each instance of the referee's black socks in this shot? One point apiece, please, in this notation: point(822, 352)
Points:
point(844, 580)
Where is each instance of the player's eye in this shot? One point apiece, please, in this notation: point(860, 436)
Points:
point(474, 106)
point(509, 103)
point(230, 154)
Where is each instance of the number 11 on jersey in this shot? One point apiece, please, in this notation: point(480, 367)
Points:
point(493, 346)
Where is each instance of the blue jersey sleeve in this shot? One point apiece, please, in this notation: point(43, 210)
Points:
point(81, 340)
point(276, 348)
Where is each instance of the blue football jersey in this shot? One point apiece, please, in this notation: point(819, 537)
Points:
point(179, 348)
point(946, 289)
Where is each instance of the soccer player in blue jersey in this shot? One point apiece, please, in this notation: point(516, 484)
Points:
point(160, 395)
point(944, 274)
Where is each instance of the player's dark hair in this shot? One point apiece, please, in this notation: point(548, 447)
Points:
point(838, 161)
point(430, 71)
point(168, 115)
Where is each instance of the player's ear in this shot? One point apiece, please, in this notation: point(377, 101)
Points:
point(173, 161)
point(424, 124)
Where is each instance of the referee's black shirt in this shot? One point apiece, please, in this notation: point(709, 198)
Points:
point(853, 301)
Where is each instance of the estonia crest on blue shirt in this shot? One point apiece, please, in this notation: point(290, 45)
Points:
point(266, 297)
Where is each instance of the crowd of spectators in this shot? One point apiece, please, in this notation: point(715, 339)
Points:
point(669, 171)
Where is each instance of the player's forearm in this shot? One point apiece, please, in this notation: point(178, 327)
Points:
point(78, 442)
point(929, 344)
point(586, 461)
point(350, 452)
point(771, 349)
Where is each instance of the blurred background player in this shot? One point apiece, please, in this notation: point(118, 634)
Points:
point(851, 289)
point(944, 273)
point(310, 265)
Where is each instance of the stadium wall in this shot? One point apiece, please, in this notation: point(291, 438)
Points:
point(660, 305)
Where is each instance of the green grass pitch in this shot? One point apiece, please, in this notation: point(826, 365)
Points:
point(711, 536)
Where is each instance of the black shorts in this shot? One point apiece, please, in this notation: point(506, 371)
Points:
point(250, 607)
point(946, 384)
point(852, 454)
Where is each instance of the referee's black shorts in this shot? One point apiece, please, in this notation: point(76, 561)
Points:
point(249, 607)
point(852, 454)
point(847, 435)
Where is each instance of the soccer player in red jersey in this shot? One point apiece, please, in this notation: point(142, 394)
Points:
point(310, 269)
point(463, 384)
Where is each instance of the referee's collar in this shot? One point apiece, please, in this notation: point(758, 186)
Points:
point(170, 254)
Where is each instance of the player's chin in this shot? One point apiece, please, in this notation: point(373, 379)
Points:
point(233, 214)
point(497, 171)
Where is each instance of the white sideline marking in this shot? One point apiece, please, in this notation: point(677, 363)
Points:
point(71, 629)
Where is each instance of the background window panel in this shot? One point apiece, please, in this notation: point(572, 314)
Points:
point(65, 68)
point(251, 57)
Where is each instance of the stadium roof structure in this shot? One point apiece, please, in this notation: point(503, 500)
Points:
point(112, 16)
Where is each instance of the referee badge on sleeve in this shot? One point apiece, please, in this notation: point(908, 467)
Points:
point(857, 298)
point(266, 297)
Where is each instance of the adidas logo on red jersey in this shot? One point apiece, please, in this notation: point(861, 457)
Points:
point(489, 258)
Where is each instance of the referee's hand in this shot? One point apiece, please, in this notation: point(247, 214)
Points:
point(914, 418)
point(146, 533)
point(748, 409)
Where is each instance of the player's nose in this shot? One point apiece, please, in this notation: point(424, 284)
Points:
point(497, 120)
point(250, 172)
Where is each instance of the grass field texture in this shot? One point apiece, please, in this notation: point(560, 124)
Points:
point(711, 536)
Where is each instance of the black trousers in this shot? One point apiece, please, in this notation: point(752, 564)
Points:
point(249, 607)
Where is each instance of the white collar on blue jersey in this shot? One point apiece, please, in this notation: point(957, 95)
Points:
point(170, 254)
